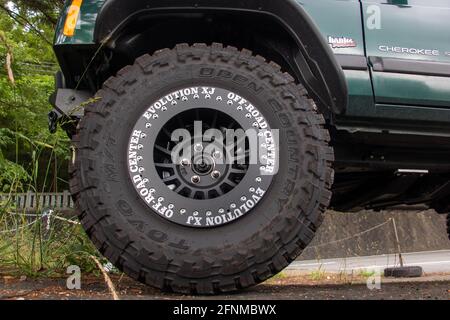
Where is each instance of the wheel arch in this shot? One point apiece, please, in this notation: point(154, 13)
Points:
point(309, 57)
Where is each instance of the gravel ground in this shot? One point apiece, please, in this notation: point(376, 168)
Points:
point(298, 287)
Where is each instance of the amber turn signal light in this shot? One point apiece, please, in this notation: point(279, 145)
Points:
point(72, 18)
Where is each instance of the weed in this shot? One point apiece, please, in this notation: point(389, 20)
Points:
point(32, 243)
point(279, 276)
point(28, 248)
point(317, 275)
point(366, 273)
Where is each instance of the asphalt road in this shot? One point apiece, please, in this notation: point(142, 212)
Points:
point(431, 262)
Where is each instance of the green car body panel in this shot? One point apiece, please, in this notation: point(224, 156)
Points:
point(85, 25)
point(382, 33)
point(414, 25)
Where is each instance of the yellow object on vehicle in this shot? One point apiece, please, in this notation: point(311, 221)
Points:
point(72, 18)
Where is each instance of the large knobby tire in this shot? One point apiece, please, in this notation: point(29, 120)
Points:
point(404, 272)
point(448, 226)
point(172, 255)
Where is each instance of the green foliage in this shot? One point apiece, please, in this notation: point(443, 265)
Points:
point(26, 146)
point(367, 273)
point(318, 275)
point(32, 159)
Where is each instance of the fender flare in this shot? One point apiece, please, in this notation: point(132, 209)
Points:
point(320, 71)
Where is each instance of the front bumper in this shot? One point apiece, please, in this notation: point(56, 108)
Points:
point(68, 105)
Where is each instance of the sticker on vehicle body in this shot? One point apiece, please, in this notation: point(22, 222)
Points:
point(341, 42)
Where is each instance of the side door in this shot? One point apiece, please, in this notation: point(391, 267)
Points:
point(408, 47)
point(340, 22)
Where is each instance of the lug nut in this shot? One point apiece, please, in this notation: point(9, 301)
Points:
point(215, 174)
point(217, 155)
point(184, 162)
point(195, 179)
point(198, 147)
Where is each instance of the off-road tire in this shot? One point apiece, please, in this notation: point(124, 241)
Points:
point(404, 272)
point(177, 258)
point(448, 226)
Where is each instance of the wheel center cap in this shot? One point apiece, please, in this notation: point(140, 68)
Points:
point(203, 165)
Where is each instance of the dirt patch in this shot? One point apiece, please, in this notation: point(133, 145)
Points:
point(330, 287)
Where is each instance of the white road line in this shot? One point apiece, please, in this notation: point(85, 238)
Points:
point(369, 267)
point(427, 252)
point(296, 264)
point(424, 259)
point(433, 262)
point(314, 264)
point(388, 255)
point(395, 265)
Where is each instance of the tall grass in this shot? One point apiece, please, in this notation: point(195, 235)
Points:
point(33, 244)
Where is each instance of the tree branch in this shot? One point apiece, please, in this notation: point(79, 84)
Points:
point(25, 22)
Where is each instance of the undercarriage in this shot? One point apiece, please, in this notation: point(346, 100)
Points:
point(377, 171)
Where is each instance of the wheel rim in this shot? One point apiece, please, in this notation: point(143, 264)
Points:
point(191, 157)
point(204, 174)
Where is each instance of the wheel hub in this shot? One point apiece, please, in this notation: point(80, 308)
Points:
point(203, 165)
point(202, 173)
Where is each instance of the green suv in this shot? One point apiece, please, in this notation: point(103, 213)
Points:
point(211, 136)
